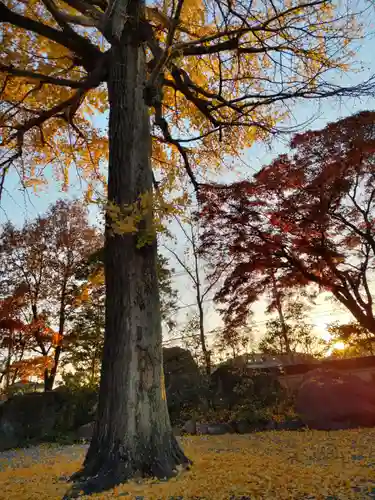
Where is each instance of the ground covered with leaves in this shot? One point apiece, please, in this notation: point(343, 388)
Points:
point(278, 465)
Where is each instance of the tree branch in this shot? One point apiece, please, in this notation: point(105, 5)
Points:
point(64, 82)
point(90, 11)
point(69, 39)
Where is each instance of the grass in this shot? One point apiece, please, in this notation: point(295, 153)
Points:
point(272, 465)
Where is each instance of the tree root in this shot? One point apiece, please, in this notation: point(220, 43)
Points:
point(117, 471)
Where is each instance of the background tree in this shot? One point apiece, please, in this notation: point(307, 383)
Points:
point(301, 339)
point(234, 342)
point(12, 340)
point(44, 255)
point(211, 71)
point(357, 341)
point(193, 265)
point(308, 217)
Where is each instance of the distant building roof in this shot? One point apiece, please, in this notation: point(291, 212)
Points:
point(336, 364)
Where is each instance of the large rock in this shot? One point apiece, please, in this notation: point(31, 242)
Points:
point(243, 426)
point(233, 384)
point(295, 424)
point(202, 428)
point(29, 416)
point(182, 382)
point(38, 417)
point(217, 429)
point(329, 400)
point(190, 427)
point(85, 431)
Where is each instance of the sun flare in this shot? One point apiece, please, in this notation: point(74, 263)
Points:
point(339, 346)
point(336, 346)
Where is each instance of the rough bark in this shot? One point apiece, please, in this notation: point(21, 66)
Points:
point(133, 435)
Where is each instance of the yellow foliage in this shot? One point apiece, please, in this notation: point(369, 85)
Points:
point(280, 465)
point(216, 78)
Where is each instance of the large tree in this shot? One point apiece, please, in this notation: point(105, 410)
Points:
point(293, 334)
point(215, 72)
point(308, 219)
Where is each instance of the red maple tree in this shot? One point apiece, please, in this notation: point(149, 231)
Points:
point(307, 218)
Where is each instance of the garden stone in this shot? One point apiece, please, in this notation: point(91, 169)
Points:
point(243, 427)
point(202, 428)
point(85, 432)
point(190, 427)
point(270, 426)
point(331, 400)
point(217, 429)
point(290, 425)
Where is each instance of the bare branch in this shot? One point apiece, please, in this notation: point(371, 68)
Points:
point(164, 57)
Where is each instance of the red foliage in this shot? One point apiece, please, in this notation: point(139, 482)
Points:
point(309, 217)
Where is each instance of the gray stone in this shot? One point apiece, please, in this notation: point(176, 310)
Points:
point(330, 400)
point(190, 427)
point(85, 431)
point(270, 426)
point(243, 427)
point(216, 429)
point(290, 425)
point(202, 428)
point(38, 417)
point(8, 435)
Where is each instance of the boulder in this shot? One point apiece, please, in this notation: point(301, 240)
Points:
point(202, 428)
point(29, 416)
point(182, 382)
point(217, 429)
point(38, 417)
point(290, 425)
point(233, 384)
point(243, 427)
point(190, 427)
point(85, 431)
point(330, 400)
point(271, 425)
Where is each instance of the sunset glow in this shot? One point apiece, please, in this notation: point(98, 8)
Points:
point(338, 346)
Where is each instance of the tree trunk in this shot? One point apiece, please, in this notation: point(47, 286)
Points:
point(132, 435)
point(9, 359)
point(50, 379)
point(365, 318)
point(202, 335)
point(284, 327)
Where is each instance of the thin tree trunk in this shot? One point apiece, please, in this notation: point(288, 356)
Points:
point(9, 359)
point(132, 435)
point(202, 333)
point(284, 327)
point(50, 379)
point(206, 353)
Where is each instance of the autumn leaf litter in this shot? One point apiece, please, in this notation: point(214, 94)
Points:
point(281, 465)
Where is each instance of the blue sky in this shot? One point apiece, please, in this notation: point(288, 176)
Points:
point(17, 205)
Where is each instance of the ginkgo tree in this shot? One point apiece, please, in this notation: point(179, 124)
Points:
point(186, 83)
